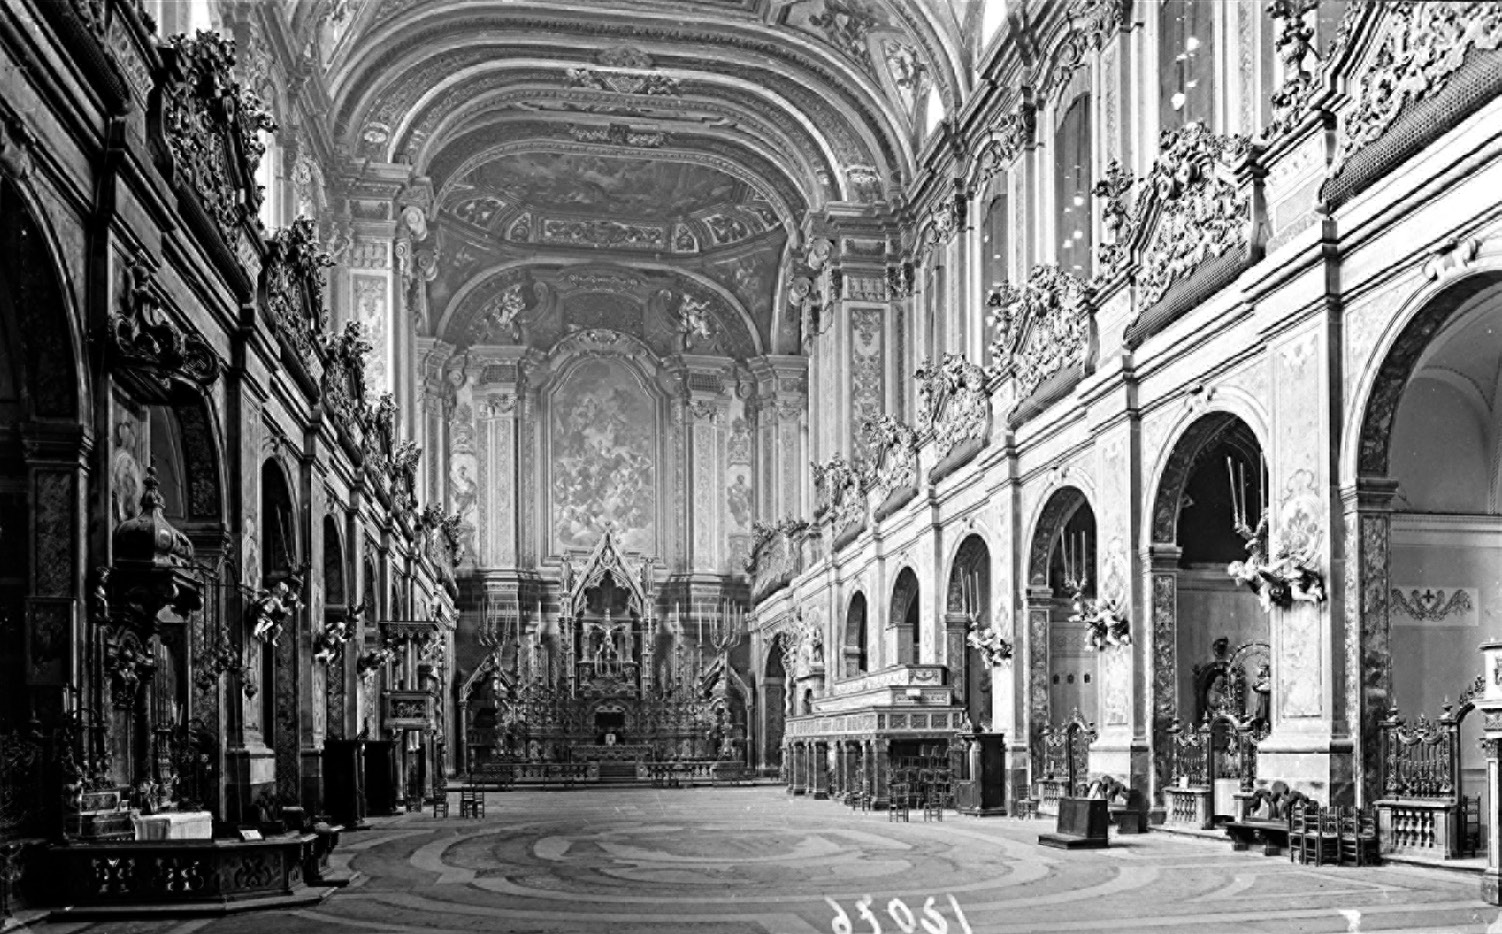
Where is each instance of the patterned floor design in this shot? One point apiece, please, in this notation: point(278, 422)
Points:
point(727, 861)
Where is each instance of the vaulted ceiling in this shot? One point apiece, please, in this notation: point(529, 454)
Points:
point(692, 136)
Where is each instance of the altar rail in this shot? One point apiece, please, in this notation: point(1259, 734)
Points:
point(183, 871)
point(695, 772)
point(1421, 811)
point(1209, 766)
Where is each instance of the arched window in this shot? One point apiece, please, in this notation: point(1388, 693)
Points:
point(1186, 63)
point(992, 17)
point(1073, 179)
point(994, 242)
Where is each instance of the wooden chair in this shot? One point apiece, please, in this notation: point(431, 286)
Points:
point(1470, 825)
point(1303, 827)
point(1357, 843)
point(471, 801)
point(1321, 837)
point(898, 801)
point(440, 803)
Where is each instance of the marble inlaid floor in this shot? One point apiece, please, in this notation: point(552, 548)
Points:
point(752, 860)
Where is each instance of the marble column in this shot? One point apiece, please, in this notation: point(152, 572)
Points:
point(798, 770)
point(1037, 606)
point(819, 779)
point(1163, 600)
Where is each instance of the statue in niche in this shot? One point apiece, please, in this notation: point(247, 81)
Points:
point(125, 472)
point(816, 647)
point(1262, 687)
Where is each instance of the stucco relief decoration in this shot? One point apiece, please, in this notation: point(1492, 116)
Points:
point(1201, 210)
point(694, 322)
point(144, 345)
point(847, 25)
point(624, 70)
point(293, 276)
point(1295, 46)
point(212, 127)
point(865, 364)
point(1041, 328)
point(808, 641)
point(604, 469)
point(1431, 605)
point(838, 492)
point(805, 298)
point(1422, 44)
point(953, 402)
point(893, 449)
point(772, 561)
point(1008, 138)
point(1114, 189)
point(1099, 20)
point(500, 317)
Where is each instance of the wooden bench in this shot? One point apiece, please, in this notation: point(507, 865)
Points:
point(1266, 820)
point(1271, 835)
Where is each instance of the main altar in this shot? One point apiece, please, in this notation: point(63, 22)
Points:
point(610, 677)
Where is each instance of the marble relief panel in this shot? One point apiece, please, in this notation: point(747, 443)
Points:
point(464, 472)
point(373, 311)
point(1298, 521)
point(604, 458)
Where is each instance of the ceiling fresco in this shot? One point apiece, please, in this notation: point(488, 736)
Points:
point(685, 145)
point(634, 188)
point(539, 305)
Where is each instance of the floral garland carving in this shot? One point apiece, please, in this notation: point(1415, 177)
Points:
point(1202, 211)
point(212, 127)
point(894, 451)
point(1430, 605)
point(1424, 42)
point(294, 266)
point(1041, 328)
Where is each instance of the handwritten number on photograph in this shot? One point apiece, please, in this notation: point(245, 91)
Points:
point(932, 921)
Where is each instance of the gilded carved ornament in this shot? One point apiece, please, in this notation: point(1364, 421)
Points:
point(953, 402)
point(839, 492)
point(143, 345)
point(1201, 211)
point(1422, 43)
point(213, 128)
point(893, 447)
point(1041, 328)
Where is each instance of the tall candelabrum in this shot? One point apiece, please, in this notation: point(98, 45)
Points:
point(723, 623)
point(995, 649)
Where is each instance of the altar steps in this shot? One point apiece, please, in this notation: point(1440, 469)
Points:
point(618, 773)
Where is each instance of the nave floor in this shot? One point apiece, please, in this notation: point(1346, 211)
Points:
point(752, 860)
